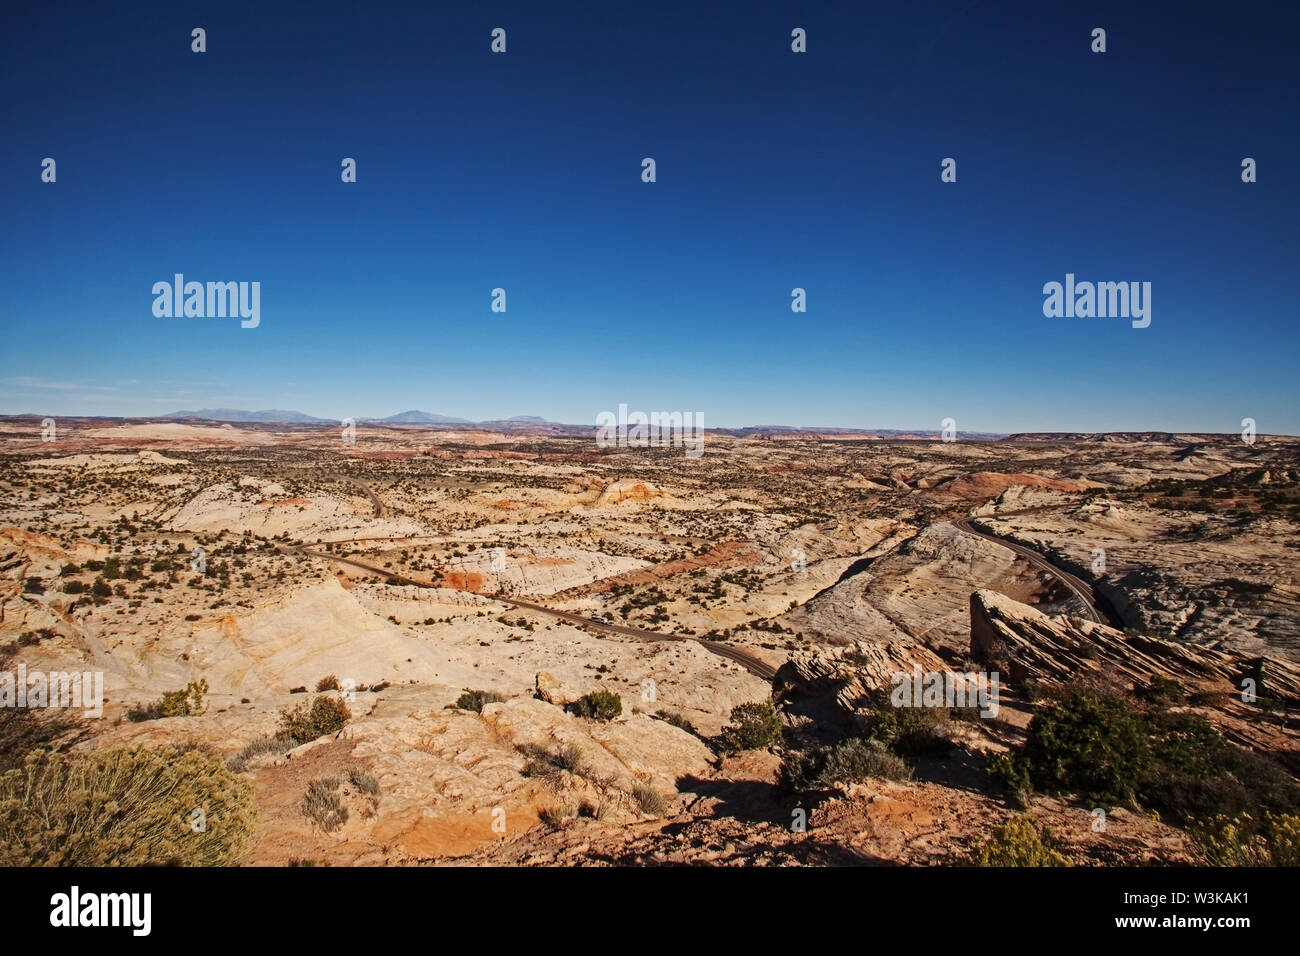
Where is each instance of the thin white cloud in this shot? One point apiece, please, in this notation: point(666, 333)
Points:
point(30, 381)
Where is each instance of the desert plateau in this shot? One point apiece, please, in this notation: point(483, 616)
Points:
point(466, 645)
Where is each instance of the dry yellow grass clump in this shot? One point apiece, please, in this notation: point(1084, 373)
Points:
point(125, 807)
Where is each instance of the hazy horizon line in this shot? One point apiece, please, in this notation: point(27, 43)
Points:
point(524, 420)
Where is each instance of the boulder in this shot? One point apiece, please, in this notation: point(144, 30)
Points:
point(554, 691)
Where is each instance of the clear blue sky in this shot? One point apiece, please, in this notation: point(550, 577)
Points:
point(775, 170)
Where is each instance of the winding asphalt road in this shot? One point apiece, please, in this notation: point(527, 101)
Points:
point(1080, 588)
point(755, 665)
point(370, 493)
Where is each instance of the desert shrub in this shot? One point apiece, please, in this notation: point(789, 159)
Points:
point(1104, 749)
point(1242, 841)
point(554, 817)
point(323, 805)
point(649, 799)
point(851, 761)
point(1013, 772)
point(856, 759)
point(545, 763)
point(537, 762)
point(800, 769)
point(256, 748)
point(325, 716)
point(753, 726)
point(678, 721)
point(570, 757)
point(1162, 690)
point(912, 731)
point(127, 807)
point(101, 588)
point(1200, 776)
point(1019, 842)
point(599, 705)
point(606, 803)
point(74, 587)
point(364, 781)
point(476, 699)
point(33, 586)
point(1091, 744)
point(24, 729)
point(187, 702)
point(329, 682)
point(151, 710)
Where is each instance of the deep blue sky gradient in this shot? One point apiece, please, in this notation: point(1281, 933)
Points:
point(775, 170)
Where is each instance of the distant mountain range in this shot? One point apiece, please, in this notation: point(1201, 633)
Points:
point(535, 424)
point(239, 415)
point(277, 415)
point(418, 417)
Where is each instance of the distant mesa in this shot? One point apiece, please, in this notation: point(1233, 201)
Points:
point(412, 417)
point(1164, 438)
point(814, 431)
point(519, 420)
